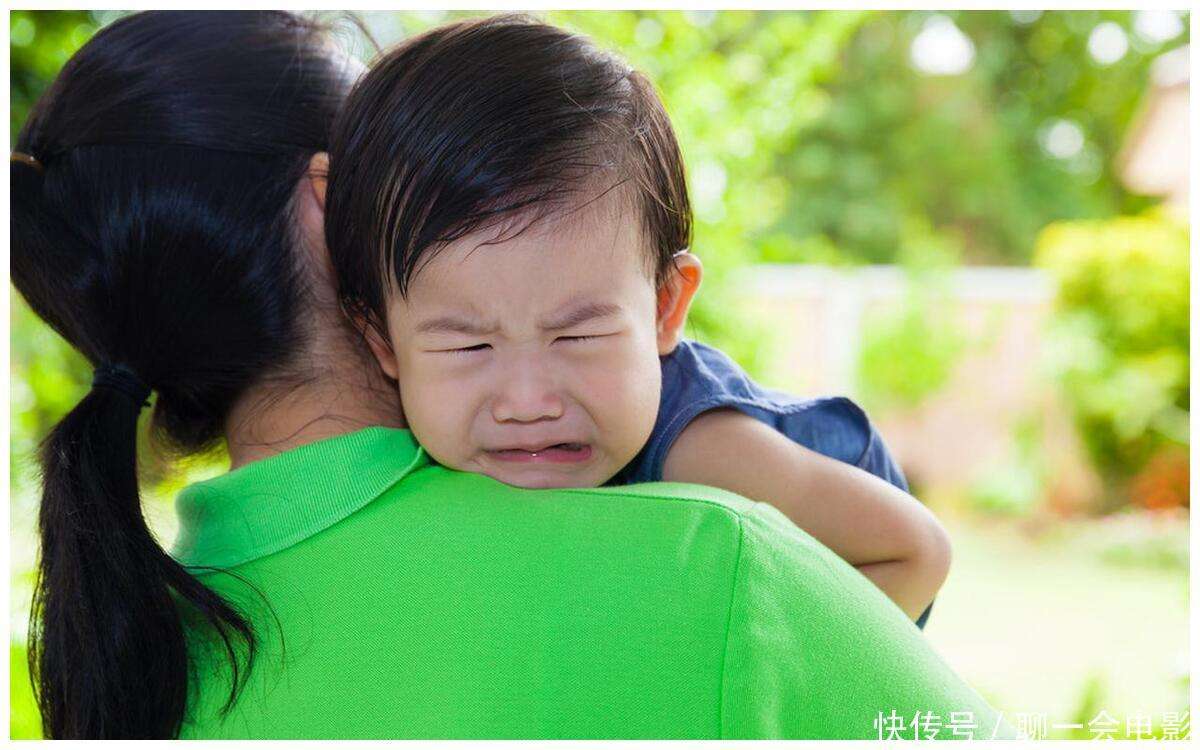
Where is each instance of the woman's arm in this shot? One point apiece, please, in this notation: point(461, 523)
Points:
point(887, 534)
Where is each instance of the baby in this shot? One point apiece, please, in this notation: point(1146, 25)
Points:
point(509, 223)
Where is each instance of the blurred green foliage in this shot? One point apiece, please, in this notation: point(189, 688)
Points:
point(908, 356)
point(1016, 483)
point(966, 151)
point(908, 353)
point(40, 43)
point(24, 717)
point(1120, 342)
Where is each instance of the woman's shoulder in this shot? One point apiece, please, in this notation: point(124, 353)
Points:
point(649, 515)
point(518, 606)
point(378, 485)
point(675, 606)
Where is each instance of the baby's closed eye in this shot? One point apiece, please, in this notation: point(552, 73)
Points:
point(464, 349)
point(564, 339)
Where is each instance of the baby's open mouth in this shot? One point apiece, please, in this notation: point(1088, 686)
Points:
point(555, 453)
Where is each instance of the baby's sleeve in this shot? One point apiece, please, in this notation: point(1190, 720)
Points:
point(814, 650)
point(839, 428)
point(698, 378)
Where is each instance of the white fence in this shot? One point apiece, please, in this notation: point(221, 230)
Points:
point(966, 429)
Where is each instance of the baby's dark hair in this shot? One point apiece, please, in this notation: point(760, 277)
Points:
point(479, 123)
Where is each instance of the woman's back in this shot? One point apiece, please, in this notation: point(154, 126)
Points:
point(454, 606)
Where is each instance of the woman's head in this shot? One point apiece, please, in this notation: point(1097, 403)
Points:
point(157, 231)
point(504, 173)
point(153, 227)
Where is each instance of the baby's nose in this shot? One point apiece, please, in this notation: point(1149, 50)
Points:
point(527, 396)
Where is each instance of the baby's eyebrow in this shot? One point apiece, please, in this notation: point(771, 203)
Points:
point(450, 324)
point(573, 317)
point(581, 314)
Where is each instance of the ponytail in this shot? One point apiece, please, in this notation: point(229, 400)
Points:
point(107, 647)
point(106, 640)
point(151, 205)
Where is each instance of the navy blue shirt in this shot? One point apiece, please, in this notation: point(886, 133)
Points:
point(698, 378)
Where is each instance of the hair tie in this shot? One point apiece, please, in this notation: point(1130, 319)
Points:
point(123, 380)
point(25, 159)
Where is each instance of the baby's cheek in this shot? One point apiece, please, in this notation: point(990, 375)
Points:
point(433, 417)
point(625, 403)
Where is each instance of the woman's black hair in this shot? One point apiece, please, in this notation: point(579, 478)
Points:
point(477, 123)
point(152, 229)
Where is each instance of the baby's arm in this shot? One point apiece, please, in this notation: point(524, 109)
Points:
point(884, 532)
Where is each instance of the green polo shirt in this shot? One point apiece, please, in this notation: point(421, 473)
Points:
point(397, 599)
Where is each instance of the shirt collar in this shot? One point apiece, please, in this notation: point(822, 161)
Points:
point(269, 505)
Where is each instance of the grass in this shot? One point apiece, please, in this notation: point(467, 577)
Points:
point(1055, 621)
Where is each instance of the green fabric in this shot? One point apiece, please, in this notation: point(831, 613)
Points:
point(410, 601)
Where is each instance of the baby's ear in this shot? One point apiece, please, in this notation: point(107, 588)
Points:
point(674, 299)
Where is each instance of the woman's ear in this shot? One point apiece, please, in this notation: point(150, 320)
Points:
point(311, 210)
point(309, 203)
point(318, 177)
point(377, 341)
point(674, 299)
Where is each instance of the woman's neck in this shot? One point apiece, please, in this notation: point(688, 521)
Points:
point(334, 393)
point(333, 386)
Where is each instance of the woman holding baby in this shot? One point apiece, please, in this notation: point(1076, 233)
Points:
point(445, 360)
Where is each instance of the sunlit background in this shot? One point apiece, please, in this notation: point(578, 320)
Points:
point(975, 224)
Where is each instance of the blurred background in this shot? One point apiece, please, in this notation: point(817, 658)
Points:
point(975, 224)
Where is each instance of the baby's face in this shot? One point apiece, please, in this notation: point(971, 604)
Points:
point(534, 360)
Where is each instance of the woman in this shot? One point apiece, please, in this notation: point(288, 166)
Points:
point(335, 583)
point(153, 188)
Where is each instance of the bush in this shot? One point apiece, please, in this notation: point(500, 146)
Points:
point(1118, 345)
point(1015, 484)
point(910, 352)
point(909, 356)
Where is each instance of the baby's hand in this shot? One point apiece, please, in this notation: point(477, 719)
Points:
point(886, 533)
